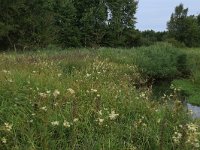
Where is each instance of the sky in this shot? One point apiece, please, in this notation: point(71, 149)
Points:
point(154, 14)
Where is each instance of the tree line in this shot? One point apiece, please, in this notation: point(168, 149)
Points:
point(67, 23)
point(27, 24)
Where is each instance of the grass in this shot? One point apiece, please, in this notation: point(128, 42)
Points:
point(190, 87)
point(86, 99)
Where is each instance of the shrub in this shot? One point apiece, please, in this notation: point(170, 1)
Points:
point(161, 60)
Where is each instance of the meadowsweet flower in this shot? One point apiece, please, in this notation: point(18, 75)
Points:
point(56, 93)
point(6, 71)
point(55, 123)
point(196, 145)
point(55, 104)
point(192, 127)
point(66, 124)
point(48, 92)
point(177, 137)
point(75, 120)
point(10, 80)
point(88, 75)
point(71, 91)
point(44, 108)
point(8, 126)
point(59, 74)
point(4, 140)
point(93, 90)
point(113, 115)
point(43, 95)
point(100, 121)
point(193, 135)
point(100, 112)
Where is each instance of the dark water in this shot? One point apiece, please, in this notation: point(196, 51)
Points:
point(195, 110)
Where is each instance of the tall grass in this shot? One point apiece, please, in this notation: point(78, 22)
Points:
point(86, 100)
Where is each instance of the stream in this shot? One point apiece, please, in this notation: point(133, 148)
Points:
point(195, 110)
point(161, 87)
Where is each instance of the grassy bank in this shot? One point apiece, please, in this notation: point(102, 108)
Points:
point(87, 99)
point(190, 87)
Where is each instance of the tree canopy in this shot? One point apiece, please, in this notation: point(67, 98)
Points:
point(184, 28)
point(69, 23)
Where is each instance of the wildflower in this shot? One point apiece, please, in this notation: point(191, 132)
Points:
point(142, 95)
point(192, 127)
point(98, 95)
point(10, 80)
point(177, 137)
point(113, 115)
point(44, 108)
point(66, 124)
point(6, 71)
point(59, 74)
point(48, 92)
point(100, 112)
point(87, 75)
point(8, 126)
point(4, 140)
point(93, 90)
point(55, 123)
point(196, 145)
point(55, 104)
point(43, 95)
point(75, 120)
point(100, 121)
point(144, 124)
point(71, 91)
point(56, 93)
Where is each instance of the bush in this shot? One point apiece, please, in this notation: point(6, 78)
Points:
point(175, 43)
point(161, 60)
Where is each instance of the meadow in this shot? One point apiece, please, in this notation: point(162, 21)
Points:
point(97, 99)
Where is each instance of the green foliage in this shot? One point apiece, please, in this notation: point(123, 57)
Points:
point(175, 43)
point(95, 106)
point(161, 60)
point(28, 24)
point(190, 87)
point(150, 37)
point(23, 24)
point(184, 28)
